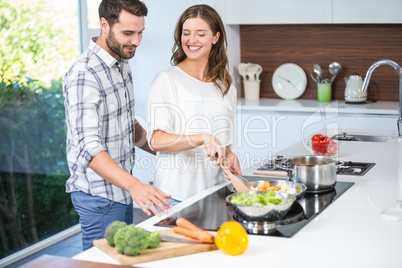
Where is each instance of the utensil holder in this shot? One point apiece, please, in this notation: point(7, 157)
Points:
point(324, 92)
point(251, 89)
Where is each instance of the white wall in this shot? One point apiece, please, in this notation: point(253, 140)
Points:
point(153, 55)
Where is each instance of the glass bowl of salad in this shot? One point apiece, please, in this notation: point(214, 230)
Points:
point(261, 205)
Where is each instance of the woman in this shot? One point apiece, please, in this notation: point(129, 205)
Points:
point(191, 108)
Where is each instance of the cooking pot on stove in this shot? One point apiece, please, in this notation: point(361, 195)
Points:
point(318, 173)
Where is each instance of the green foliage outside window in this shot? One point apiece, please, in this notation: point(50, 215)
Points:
point(33, 169)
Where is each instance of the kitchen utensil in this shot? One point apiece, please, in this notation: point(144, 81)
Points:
point(353, 90)
point(318, 173)
point(252, 70)
point(323, 76)
point(270, 174)
point(258, 72)
point(164, 251)
point(334, 68)
point(317, 69)
point(173, 239)
point(314, 76)
point(300, 188)
point(237, 183)
point(242, 68)
point(269, 212)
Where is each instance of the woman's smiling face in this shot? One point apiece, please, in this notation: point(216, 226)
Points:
point(197, 39)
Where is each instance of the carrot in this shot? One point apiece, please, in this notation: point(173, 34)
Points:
point(186, 224)
point(275, 188)
point(200, 235)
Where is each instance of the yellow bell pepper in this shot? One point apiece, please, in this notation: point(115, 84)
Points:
point(231, 238)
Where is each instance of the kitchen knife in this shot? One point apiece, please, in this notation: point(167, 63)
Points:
point(168, 238)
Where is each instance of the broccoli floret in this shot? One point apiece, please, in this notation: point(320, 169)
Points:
point(131, 240)
point(111, 230)
point(154, 239)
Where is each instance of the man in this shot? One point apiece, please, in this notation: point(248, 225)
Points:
point(101, 128)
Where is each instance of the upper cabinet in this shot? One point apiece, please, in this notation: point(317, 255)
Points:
point(368, 11)
point(312, 11)
point(278, 12)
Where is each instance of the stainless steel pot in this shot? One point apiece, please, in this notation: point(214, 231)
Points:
point(318, 173)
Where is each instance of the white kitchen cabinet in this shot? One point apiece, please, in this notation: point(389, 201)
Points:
point(368, 11)
point(278, 12)
point(312, 11)
point(260, 134)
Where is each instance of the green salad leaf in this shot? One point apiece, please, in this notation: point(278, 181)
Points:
point(252, 198)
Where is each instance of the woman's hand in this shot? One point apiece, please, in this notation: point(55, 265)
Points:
point(215, 150)
point(232, 163)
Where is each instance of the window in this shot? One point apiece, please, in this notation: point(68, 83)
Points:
point(39, 43)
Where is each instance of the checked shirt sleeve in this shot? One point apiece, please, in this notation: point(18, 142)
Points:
point(82, 99)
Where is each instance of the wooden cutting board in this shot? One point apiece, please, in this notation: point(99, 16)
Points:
point(164, 251)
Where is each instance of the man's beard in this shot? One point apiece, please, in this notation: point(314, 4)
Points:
point(117, 48)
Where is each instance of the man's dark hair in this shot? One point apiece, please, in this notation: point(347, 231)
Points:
point(110, 9)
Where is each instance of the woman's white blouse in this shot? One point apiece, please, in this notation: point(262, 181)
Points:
point(183, 105)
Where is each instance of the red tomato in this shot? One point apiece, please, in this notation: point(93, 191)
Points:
point(332, 148)
point(319, 147)
point(317, 137)
point(323, 145)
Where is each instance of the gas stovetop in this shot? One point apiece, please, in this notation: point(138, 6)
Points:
point(342, 168)
point(353, 168)
point(212, 211)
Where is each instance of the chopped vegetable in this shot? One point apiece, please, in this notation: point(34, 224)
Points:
point(284, 188)
point(231, 238)
point(323, 145)
point(278, 188)
point(317, 137)
point(263, 187)
point(252, 198)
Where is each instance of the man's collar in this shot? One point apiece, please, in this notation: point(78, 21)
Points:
point(103, 54)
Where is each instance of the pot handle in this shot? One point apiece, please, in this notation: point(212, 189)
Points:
point(288, 169)
point(285, 167)
point(340, 163)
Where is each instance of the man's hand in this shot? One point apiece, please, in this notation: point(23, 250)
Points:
point(149, 196)
point(143, 194)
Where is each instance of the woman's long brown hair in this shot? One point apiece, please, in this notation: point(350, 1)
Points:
point(218, 61)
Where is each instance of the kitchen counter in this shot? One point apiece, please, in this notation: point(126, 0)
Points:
point(305, 105)
point(348, 233)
